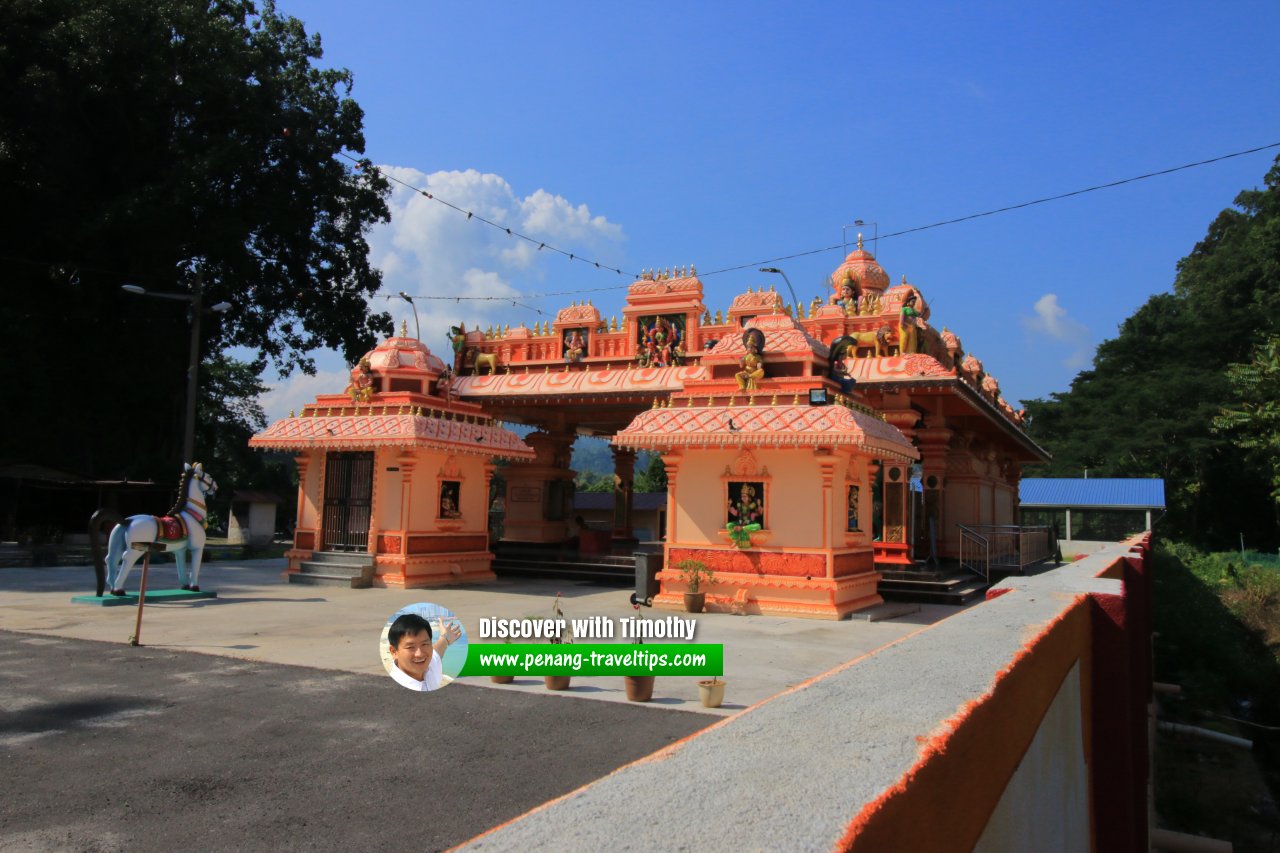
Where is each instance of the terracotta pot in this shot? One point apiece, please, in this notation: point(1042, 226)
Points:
point(502, 679)
point(639, 687)
point(711, 693)
point(557, 682)
point(694, 601)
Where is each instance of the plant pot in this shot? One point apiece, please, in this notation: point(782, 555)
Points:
point(711, 693)
point(557, 682)
point(694, 601)
point(502, 679)
point(639, 687)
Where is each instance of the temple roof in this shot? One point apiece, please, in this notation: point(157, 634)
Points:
point(766, 426)
point(403, 352)
point(366, 431)
point(861, 267)
point(782, 334)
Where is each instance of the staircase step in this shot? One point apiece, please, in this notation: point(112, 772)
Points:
point(343, 558)
point(307, 567)
point(345, 581)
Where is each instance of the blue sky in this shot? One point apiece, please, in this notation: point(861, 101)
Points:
point(719, 134)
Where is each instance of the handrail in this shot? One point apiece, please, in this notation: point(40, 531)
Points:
point(977, 557)
point(1011, 546)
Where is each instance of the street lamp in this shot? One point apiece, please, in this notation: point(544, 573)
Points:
point(195, 308)
point(789, 287)
point(417, 333)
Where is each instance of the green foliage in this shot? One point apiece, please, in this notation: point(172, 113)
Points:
point(1214, 617)
point(592, 481)
point(1151, 403)
point(695, 573)
point(653, 476)
point(1253, 418)
point(143, 141)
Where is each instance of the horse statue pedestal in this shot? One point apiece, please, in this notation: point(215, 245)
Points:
point(154, 596)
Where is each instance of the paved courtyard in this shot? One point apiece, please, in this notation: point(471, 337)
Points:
point(263, 718)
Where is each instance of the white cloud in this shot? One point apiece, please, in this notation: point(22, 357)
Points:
point(296, 391)
point(1051, 320)
point(431, 250)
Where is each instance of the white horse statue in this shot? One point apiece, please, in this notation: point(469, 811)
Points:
point(181, 531)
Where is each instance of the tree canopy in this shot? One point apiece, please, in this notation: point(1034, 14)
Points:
point(1149, 405)
point(145, 142)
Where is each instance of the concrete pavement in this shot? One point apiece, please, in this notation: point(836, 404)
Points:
point(258, 617)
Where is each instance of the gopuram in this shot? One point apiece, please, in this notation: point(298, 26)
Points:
point(807, 448)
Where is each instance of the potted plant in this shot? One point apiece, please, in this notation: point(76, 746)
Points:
point(639, 687)
point(711, 692)
point(557, 682)
point(502, 679)
point(694, 573)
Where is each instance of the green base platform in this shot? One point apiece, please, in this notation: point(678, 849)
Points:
point(154, 596)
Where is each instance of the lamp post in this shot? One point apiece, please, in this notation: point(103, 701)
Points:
point(195, 306)
point(789, 287)
point(417, 333)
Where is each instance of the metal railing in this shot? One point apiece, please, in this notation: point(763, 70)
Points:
point(1008, 547)
point(975, 553)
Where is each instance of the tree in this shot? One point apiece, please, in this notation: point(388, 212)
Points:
point(146, 141)
point(1148, 406)
point(1253, 418)
point(653, 476)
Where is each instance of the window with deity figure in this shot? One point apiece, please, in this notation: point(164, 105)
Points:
point(855, 497)
point(450, 494)
point(745, 503)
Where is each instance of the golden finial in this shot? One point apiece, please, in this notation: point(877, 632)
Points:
point(786, 309)
point(795, 401)
point(859, 241)
point(655, 403)
point(689, 403)
point(589, 303)
point(774, 401)
point(329, 412)
point(404, 328)
point(732, 398)
point(904, 278)
point(693, 271)
point(546, 368)
point(608, 365)
point(719, 318)
point(771, 290)
point(291, 414)
point(751, 399)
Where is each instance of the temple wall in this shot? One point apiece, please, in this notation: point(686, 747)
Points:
point(1018, 724)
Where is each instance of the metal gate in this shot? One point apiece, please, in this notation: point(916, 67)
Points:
point(348, 498)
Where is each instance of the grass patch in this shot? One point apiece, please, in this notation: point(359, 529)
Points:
point(1217, 620)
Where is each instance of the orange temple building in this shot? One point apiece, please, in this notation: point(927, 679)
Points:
point(866, 440)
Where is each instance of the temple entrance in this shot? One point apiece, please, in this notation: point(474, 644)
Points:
point(348, 496)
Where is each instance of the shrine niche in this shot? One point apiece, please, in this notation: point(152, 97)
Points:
point(574, 344)
point(661, 340)
point(853, 508)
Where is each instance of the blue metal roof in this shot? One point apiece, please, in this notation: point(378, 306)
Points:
point(1092, 492)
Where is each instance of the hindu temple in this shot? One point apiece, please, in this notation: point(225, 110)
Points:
point(810, 450)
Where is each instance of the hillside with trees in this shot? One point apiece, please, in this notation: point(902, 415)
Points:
point(1188, 390)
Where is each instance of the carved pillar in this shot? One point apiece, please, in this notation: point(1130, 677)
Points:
point(933, 441)
point(827, 470)
point(489, 468)
point(624, 466)
point(406, 462)
point(671, 463)
point(376, 493)
point(302, 460)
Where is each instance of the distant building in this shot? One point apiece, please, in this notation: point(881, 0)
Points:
point(1100, 509)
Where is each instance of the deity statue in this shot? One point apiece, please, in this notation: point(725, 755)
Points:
point(847, 298)
point(907, 342)
point(753, 362)
point(661, 346)
point(458, 340)
point(746, 510)
point(574, 346)
point(361, 387)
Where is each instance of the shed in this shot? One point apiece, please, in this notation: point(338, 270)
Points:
point(1093, 508)
point(648, 512)
point(253, 518)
